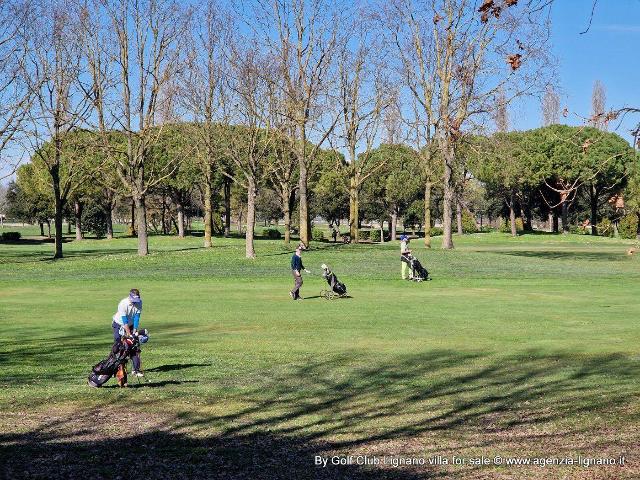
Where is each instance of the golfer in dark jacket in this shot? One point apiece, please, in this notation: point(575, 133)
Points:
point(296, 270)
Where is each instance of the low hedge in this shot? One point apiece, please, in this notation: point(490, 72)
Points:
point(10, 236)
point(272, 233)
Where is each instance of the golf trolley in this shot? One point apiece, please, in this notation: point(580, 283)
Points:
point(418, 272)
point(337, 288)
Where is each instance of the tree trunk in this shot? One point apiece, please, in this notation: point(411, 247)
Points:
point(41, 229)
point(133, 217)
point(447, 214)
point(180, 209)
point(512, 215)
point(459, 217)
point(208, 208)
point(565, 217)
point(304, 206)
point(354, 214)
point(69, 226)
point(227, 207)
point(593, 200)
point(49, 228)
point(141, 218)
point(240, 217)
point(638, 227)
point(59, 206)
point(109, 214)
point(285, 194)
point(394, 224)
point(57, 220)
point(251, 218)
point(555, 221)
point(526, 217)
point(550, 220)
point(427, 214)
point(163, 214)
point(382, 230)
point(77, 208)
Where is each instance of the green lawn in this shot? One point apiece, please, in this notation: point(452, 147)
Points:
point(523, 347)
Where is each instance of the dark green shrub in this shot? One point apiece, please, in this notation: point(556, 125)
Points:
point(628, 226)
point(435, 232)
point(605, 228)
point(468, 222)
point(10, 236)
point(317, 234)
point(272, 233)
point(374, 235)
point(364, 235)
point(94, 219)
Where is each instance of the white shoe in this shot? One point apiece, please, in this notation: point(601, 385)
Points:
point(137, 373)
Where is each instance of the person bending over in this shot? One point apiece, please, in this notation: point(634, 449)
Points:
point(126, 321)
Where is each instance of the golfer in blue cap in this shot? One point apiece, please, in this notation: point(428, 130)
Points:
point(126, 321)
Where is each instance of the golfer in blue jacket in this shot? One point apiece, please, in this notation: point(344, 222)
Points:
point(296, 270)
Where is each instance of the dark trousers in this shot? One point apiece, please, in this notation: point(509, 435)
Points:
point(298, 283)
point(135, 358)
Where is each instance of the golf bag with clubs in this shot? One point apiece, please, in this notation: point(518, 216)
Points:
point(418, 272)
point(338, 289)
point(116, 363)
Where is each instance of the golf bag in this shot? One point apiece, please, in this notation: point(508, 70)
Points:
point(116, 363)
point(338, 289)
point(418, 271)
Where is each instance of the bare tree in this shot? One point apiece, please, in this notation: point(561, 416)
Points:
point(145, 49)
point(598, 106)
point(61, 104)
point(15, 95)
point(392, 120)
point(550, 107)
point(455, 58)
point(501, 117)
point(200, 93)
point(362, 101)
point(248, 138)
point(303, 46)
point(283, 170)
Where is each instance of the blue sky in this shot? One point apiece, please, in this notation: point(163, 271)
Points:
point(607, 52)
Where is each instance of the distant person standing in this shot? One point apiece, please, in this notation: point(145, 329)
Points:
point(296, 270)
point(405, 257)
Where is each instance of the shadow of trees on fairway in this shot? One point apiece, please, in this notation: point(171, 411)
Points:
point(568, 255)
point(176, 366)
point(432, 392)
point(403, 405)
point(162, 454)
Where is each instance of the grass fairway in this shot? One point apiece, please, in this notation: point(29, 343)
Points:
point(520, 347)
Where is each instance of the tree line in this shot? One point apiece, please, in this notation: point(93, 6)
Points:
point(157, 99)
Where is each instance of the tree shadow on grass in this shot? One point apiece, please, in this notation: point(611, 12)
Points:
point(166, 454)
point(566, 255)
point(176, 366)
point(276, 426)
point(133, 383)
